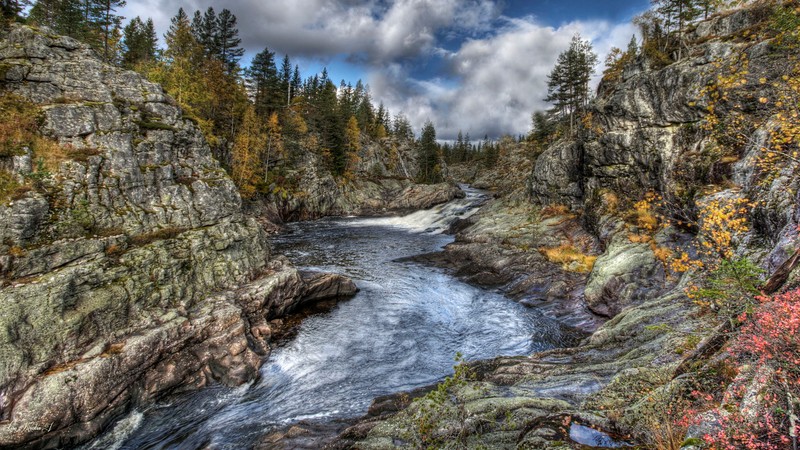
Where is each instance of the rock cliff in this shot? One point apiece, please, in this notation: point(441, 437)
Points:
point(382, 184)
point(128, 268)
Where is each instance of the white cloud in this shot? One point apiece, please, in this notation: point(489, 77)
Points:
point(377, 30)
point(490, 84)
point(498, 81)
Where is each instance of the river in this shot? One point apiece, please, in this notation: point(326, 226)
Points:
point(401, 331)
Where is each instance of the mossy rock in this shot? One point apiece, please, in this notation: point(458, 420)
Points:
point(151, 125)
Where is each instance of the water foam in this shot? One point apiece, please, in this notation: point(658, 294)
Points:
point(119, 434)
point(435, 220)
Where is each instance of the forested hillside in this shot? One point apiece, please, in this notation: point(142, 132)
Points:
point(284, 138)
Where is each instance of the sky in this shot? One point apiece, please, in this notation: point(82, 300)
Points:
point(477, 66)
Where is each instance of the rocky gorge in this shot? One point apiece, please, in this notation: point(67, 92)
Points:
point(133, 269)
point(129, 270)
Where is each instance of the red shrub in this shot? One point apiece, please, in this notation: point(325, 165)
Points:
point(761, 408)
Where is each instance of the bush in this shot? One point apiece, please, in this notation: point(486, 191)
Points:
point(570, 258)
point(8, 186)
point(17, 129)
point(730, 288)
point(555, 210)
point(758, 408)
point(440, 407)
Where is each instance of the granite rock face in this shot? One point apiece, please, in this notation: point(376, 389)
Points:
point(129, 271)
point(647, 135)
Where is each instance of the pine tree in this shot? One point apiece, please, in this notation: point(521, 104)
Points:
point(265, 84)
point(227, 38)
point(139, 43)
point(428, 156)
point(568, 83)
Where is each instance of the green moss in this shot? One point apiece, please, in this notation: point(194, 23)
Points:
point(10, 188)
point(150, 125)
point(4, 68)
point(693, 442)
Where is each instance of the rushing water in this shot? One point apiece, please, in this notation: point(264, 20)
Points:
point(400, 332)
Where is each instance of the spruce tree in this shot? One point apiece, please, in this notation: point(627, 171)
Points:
point(676, 15)
point(401, 128)
point(297, 82)
point(331, 124)
point(139, 43)
point(11, 9)
point(265, 83)
point(227, 38)
point(458, 145)
point(108, 22)
point(205, 31)
point(67, 17)
point(183, 64)
point(428, 155)
point(286, 79)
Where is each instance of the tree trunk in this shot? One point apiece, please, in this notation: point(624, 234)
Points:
point(781, 274)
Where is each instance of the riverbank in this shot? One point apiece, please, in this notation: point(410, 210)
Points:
point(401, 331)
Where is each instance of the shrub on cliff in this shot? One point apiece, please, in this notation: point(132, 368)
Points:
point(758, 410)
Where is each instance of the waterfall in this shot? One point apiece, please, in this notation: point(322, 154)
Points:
point(435, 220)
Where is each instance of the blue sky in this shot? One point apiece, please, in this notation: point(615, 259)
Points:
point(474, 65)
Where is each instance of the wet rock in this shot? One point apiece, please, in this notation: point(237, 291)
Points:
point(625, 274)
point(425, 196)
point(556, 176)
point(325, 286)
